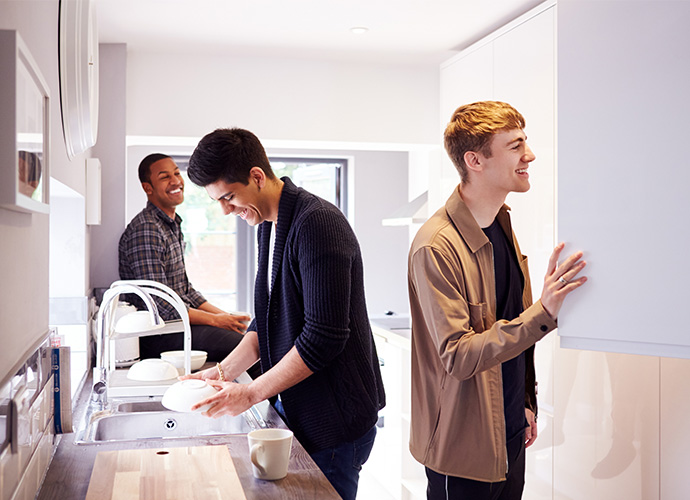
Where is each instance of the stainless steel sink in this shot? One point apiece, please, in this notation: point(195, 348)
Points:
point(136, 419)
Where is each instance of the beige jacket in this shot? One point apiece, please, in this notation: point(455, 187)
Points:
point(458, 425)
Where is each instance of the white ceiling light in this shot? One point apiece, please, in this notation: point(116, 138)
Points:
point(359, 30)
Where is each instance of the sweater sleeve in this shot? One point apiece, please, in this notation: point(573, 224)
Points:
point(325, 251)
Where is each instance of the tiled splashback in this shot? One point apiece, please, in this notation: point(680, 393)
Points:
point(26, 426)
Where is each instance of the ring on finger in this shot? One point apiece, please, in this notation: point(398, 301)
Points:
point(563, 280)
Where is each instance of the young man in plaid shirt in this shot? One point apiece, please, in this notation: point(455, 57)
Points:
point(152, 248)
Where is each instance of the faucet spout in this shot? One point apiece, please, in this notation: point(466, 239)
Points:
point(99, 392)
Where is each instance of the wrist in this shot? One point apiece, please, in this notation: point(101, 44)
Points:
point(210, 319)
point(551, 315)
point(221, 372)
point(258, 391)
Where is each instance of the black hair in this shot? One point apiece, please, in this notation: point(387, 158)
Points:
point(227, 154)
point(145, 166)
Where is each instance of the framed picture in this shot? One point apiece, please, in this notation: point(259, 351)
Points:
point(24, 128)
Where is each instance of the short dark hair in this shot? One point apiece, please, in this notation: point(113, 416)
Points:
point(227, 154)
point(472, 127)
point(145, 166)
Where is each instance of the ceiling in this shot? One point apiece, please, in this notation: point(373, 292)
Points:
point(399, 31)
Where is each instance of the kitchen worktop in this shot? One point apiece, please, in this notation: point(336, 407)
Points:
point(70, 470)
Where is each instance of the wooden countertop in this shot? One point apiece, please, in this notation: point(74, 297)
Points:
point(70, 471)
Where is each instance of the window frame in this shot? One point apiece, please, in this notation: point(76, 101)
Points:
point(246, 251)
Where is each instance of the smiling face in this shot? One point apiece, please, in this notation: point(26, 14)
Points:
point(505, 170)
point(248, 202)
point(165, 188)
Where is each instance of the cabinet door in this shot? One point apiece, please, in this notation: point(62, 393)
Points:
point(466, 78)
point(623, 110)
point(524, 69)
point(384, 465)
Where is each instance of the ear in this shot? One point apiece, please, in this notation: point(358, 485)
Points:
point(147, 187)
point(473, 161)
point(258, 176)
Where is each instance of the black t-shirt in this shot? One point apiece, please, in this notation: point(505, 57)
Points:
point(509, 286)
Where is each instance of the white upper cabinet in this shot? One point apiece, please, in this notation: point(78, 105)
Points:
point(516, 64)
point(623, 176)
point(524, 69)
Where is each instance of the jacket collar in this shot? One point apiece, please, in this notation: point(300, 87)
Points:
point(466, 224)
point(286, 209)
point(286, 206)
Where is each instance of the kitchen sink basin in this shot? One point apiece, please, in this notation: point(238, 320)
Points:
point(130, 420)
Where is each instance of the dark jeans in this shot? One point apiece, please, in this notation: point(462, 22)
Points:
point(440, 487)
point(341, 465)
point(217, 342)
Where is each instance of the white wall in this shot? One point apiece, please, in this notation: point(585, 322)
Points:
point(67, 242)
point(285, 99)
point(112, 151)
point(24, 250)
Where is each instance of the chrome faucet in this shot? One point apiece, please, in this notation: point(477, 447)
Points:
point(99, 391)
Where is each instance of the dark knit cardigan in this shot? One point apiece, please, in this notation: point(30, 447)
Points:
point(317, 304)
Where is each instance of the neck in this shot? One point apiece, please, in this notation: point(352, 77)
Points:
point(274, 189)
point(482, 203)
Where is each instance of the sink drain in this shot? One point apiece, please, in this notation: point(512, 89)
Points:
point(170, 424)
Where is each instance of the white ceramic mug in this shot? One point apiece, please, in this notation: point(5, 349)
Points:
point(269, 451)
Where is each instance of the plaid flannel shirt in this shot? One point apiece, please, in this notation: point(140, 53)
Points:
point(152, 248)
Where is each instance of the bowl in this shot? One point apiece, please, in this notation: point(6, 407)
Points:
point(152, 370)
point(182, 395)
point(136, 322)
point(176, 358)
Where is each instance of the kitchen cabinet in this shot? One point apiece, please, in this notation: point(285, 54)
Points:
point(465, 78)
point(622, 175)
point(394, 467)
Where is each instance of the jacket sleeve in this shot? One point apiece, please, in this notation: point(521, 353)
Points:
point(464, 342)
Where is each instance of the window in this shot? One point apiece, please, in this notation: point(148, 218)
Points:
point(325, 177)
point(211, 247)
point(220, 252)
